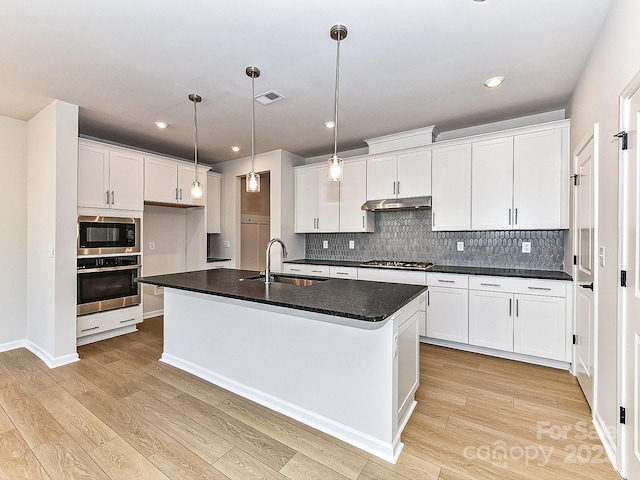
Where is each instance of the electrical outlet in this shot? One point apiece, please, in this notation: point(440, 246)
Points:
point(325, 244)
point(226, 244)
point(152, 245)
point(526, 247)
point(460, 246)
point(352, 244)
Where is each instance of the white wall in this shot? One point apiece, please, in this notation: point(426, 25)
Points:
point(615, 60)
point(13, 241)
point(52, 162)
point(165, 227)
point(280, 163)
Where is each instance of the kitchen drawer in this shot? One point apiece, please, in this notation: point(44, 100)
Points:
point(343, 272)
point(524, 286)
point(493, 284)
point(306, 269)
point(102, 322)
point(447, 280)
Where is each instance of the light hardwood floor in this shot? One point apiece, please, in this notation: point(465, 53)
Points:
point(121, 414)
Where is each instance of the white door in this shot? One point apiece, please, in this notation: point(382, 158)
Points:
point(539, 326)
point(583, 270)
point(126, 180)
point(414, 174)
point(328, 203)
point(93, 176)
point(382, 173)
point(491, 319)
point(630, 296)
point(448, 314)
point(353, 193)
point(306, 200)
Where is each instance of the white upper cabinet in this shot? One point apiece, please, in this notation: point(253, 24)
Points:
point(540, 168)
point(109, 177)
point(492, 184)
point(213, 202)
point(516, 180)
point(169, 182)
point(317, 200)
point(401, 175)
point(451, 202)
point(353, 193)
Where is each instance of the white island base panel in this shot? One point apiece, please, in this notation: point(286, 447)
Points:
point(356, 384)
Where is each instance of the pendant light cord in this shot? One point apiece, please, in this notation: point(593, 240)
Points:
point(253, 119)
point(195, 122)
point(335, 112)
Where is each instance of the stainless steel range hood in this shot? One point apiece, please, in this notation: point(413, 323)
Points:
point(398, 204)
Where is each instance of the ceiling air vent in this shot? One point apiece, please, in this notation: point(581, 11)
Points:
point(269, 97)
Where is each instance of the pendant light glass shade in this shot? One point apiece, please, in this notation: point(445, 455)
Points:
point(196, 187)
point(335, 163)
point(253, 179)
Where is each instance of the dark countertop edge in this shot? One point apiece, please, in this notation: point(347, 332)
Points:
point(372, 319)
point(462, 270)
point(217, 259)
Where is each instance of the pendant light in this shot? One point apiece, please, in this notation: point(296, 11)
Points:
point(253, 179)
point(338, 33)
point(196, 188)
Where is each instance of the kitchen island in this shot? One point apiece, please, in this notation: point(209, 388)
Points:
point(338, 355)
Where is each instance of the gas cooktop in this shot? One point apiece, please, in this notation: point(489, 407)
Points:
point(396, 264)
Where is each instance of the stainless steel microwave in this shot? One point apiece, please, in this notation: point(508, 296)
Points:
point(104, 235)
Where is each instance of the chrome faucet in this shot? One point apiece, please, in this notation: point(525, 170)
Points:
point(267, 263)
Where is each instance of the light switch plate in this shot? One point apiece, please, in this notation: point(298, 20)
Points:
point(152, 245)
point(601, 256)
point(226, 244)
point(460, 246)
point(325, 244)
point(526, 247)
point(352, 244)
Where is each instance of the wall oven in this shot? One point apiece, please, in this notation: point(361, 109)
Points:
point(105, 235)
point(107, 283)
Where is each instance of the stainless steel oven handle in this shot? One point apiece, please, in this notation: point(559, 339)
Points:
point(108, 269)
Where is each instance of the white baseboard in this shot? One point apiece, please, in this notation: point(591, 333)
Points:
point(5, 347)
point(386, 451)
point(52, 362)
point(607, 440)
point(155, 313)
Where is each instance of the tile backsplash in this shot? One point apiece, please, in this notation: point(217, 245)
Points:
point(407, 236)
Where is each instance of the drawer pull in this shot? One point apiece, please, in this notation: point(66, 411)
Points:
point(490, 284)
point(294, 269)
point(316, 271)
point(446, 281)
point(89, 329)
point(129, 320)
point(342, 273)
point(539, 288)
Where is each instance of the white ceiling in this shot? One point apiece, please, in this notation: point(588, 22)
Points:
point(404, 65)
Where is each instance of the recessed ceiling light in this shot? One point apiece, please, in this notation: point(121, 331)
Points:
point(330, 124)
point(235, 148)
point(161, 125)
point(493, 82)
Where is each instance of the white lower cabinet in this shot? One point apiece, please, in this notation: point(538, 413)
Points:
point(448, 313)
point(491, 320)
point(539, 326)
point(523, 316)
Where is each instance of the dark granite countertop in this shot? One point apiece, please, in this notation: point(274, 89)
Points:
point(462, 270)
point(217, 259)
point(503, 272)
point(356, 299)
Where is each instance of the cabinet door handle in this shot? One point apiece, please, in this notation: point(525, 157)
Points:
point(89, 329)
point(433, 218)
point(509, 307)
point(516, 222)
point(176, 194)
point(446, 281)
point(490, 284)
point(428, 298)
point(394, 188)
point(398, 189)
point(509, 216)
point(539, 288)
point(517, 308)
point(180, 194)
point(113, 197)
point(108, 197)
point(318, 223)
point(363, 221)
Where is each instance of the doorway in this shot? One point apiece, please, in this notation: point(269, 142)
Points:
point(255, 223)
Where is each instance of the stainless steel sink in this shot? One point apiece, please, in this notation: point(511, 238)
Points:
point(300, 281)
